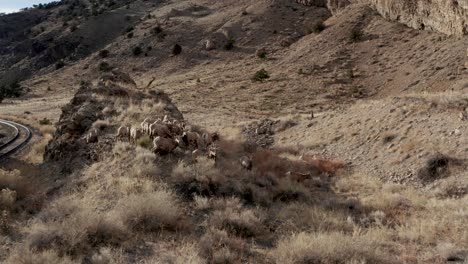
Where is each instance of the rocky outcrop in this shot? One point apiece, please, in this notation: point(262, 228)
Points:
point(446, 16)
point(107, 102)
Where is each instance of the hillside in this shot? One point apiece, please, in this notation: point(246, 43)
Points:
point(284, 132)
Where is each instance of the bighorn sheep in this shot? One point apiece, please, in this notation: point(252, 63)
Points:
point(135, 134)
point(159, 130)
point(203, 141)
point(191, 139)
point(246, 162)
point(123, 133)
point(213, 151)
point(166, 119)
point(163, 145)
point(175, 129)
point(145, 125)
point(92, 136)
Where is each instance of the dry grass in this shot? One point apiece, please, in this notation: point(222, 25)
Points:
point(7, 199)
point(186, 253)
point(410, 218)
point(328, 248)
point(237, 220)
point(17, 191)
point(218, 212)
point(36, 154)
point(150, 212)
point(25, 256)
point(217, 246)
point(134, 206)
point(76, 234)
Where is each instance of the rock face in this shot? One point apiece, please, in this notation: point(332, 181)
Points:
point(446, 16)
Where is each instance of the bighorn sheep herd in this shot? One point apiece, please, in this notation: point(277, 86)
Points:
point(168, 134)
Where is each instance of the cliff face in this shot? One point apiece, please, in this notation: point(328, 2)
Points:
point(446, 16)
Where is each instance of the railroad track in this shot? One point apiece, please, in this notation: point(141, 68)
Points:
point(19, 139)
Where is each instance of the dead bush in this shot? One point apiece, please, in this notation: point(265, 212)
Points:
point(237, 220)
point(217, 246)
point(76, 234)
point(186, 253)
point(7, 199)
point(436, 167)
point(28, 195)
point(296, 217)
point(108, 255)
point(271, 179)
point(151, 212)
point(314, 27)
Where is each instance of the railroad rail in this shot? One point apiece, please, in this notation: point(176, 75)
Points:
point(20, 138)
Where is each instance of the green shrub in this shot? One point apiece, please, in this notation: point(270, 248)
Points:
point(262, 54)
point(59, 64)
point(260, 75)
point(229, 44)
point(84, 83)
point(44, 121)
point(105, 67)
point(104, 53)
point(156, 30)
point(137, 51)
point(12, 90)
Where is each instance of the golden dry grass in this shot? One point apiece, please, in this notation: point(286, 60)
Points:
point(329, 248)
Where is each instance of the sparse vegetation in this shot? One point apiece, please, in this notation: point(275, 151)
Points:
point(44, 122)
point(104, 53)
point(229, 45)
point(260, 76)
point(60, 64)
point(315, 27)
point(176, 49)
point(261, 53)
point(304, 171)
point(136, 51)
point(145, 142)
point(356, 35)
point(104, 67)
point(12, 90)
